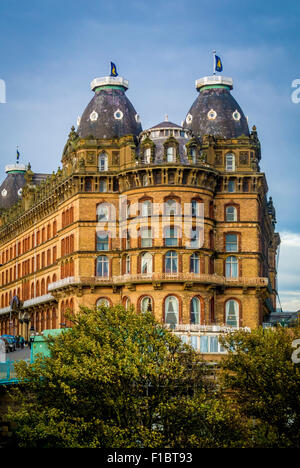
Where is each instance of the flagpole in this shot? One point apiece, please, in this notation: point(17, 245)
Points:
point(214, 62)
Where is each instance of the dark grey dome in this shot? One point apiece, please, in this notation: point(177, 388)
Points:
point(11, 188)
point(110, 114)
point(216, 112)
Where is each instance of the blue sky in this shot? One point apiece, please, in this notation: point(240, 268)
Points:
point(51, 50)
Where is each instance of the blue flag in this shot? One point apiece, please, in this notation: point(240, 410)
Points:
point(113, 70)
point(18, 155)
point(219, 66)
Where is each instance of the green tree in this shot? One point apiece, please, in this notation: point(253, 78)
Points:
point(104, 383)
point(260, 375)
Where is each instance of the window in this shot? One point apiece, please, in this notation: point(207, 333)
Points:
point(230, 162)
point(195, 239)
point(170, 154)
point(102, 212)
point(103, 162)
point(103, 302)
point(195, 263)
point(102, 241)
point(194, 155)
point(232, 313)
point(195, 208)
point(171, 262)
point(210, 344)
point(146, 305)
point(103, 186)
point(146, 263)
point(145, 180)
point(171, 311)
point(127, 265)
point(231, 267)
point(146, 208)
point(147, 156)
point(171, 237)
point(146, 237)
point(231, 186)
point(231, 214)
point(195, 311)
point(102, 267)
point(231, 243)
point(171, 207)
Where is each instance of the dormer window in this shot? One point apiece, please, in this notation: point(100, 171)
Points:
point(194, 155)
point(147, 156)
point(103, 162)
point(170, 154)
point(230, 162)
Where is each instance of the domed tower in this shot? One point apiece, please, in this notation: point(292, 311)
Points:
point(110, 114)
point(11, 188)
point(215, 111)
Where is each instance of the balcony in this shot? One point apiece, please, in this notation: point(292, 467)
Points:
point(191, 328)
point(158, 277)
point(38, 300)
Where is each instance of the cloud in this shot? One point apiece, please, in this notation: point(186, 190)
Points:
point(289, 271)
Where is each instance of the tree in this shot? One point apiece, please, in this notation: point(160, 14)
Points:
point(261, 376)
point(108, 383)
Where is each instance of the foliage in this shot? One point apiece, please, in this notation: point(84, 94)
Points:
point(259, 373)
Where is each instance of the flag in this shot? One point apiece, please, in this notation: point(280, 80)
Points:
point(18, 155)
point(219, 66)
point(113, 70)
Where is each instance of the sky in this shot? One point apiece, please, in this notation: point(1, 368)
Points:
point(51, 50)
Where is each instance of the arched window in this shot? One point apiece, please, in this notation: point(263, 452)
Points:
point(146, 304)
point(102, 212)
point(232, 267)
point(126, 302)
point(231, 214)
point(102, 240)
point(171, 310)
point(102, 266)
point(171, 262)
point(230, 162)
point(195, 311)
point(146, 209)
point(146, 263)
point(170, 154)
point(171, 207)
point(102, 302)
point(103, 162)
point(232, 313)
point(195, 263)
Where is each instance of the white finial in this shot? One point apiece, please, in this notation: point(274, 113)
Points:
point(166, 118)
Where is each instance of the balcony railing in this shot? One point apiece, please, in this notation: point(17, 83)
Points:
point(204, 328)
point(157, 277)
point(38, 300)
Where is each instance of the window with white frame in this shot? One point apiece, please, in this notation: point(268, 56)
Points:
point(195, 263)
point(146, 263)
point(147, 156)
point(146, 237)
point(231, 244)
point(146, 208)
point(102, 241)
point(102, 269)
point(103, 162)
point(232, 267)
point(127, 265)
point(231, 214)
point(230, 162)
point(232, 313)
point(171, 236)
point(171, 154)
point(103, 302)
point(195, 311)
point(171, 311)
point(146, 304)
point(171, 262)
